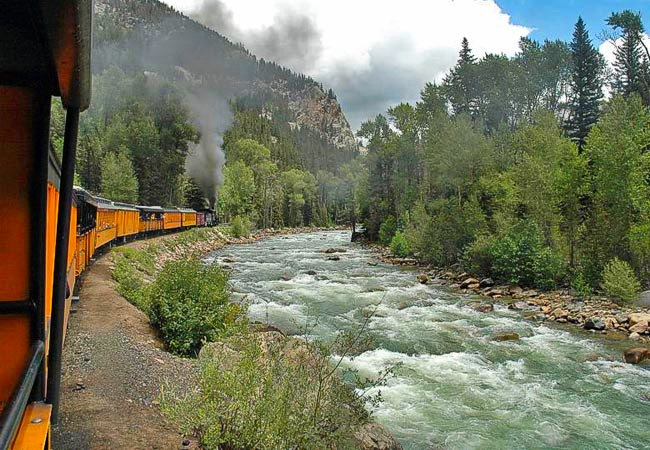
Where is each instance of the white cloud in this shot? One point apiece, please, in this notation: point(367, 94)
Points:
point(375, 53)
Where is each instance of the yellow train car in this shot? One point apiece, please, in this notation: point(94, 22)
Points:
point(45, 52)
point(151, 218)
point(172, 219)
point(188, 217)
point(128, 220)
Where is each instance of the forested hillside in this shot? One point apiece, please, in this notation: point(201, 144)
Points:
point(166, 89)
point(521, 168)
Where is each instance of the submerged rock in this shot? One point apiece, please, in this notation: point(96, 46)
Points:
point(333, 258)
point(335, 250)
point(285, 278)
point(483, 307)
point(503, 337)
point(310, 272)
point(423, 278)
point(636, 355)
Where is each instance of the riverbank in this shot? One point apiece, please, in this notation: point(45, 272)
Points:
point(115, 363)
point(594, 313)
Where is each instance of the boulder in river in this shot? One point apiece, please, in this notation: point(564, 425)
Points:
point(503, 337)
point(285, 277)
point(335, 250)
point(423, 278)
point(636, 355)
point(483, 307)
point(594, 324)
point(373, 436)
point(310, 272)
point(469, 281)
point(333, 258)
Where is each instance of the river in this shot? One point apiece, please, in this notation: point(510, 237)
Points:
point(456, 387)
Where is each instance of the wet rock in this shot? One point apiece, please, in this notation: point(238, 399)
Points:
point(373, 263)
point(483, 307)
point(639, 327)
point(594, 324)
point(228, 260)
point(373, 436)
point(503, 337)
point(333, 258)
point(610, 323)
point(469, 281)
point(474, 287)
point(560, 313)
point(335, 250)
point(487, 282)
point(321, 277)
point(636, 355)
point(423, 278)
point(494, 292)
point(514, 290)
point(285, 278)
point(518, 306)
point(644, 299)
point(310, 272)
point(634, 336)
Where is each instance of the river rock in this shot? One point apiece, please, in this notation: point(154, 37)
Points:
point(373, 436)
point(514, 290)
point(636, 355)
point(638, 317)
point(594, 324)
point(494, 292)
point(310, 272)
point(503, 337)
point(285, 277)
point(644, 299)
point(483, 307)
point(639, 327)
point(560, 313)
point(423, 278)
point(333, 258)
point(634, 336)
point(487, 282)
point(335, 250)
point(518, 306)
point(469, 281)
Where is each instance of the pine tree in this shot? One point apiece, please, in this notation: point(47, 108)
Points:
point(586, 85)
point(631, 64)
point(460, 83)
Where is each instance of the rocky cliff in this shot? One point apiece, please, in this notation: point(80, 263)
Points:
point(147, 35)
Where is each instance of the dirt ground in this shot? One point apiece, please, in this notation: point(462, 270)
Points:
point(113, 368)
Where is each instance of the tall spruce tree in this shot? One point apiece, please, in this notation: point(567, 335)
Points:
point(631, 64)
point(460, 83)
point(586, 85)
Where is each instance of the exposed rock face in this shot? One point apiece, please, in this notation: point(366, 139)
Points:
point(375, 437)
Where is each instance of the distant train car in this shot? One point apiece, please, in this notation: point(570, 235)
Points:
point(86, 228)
point(200, 219)
point(151, 218)
point(210, 218)
point(172, 219)
point(188, 217)
point(128, 220)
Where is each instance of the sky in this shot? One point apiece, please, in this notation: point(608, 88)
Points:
point(378, 53)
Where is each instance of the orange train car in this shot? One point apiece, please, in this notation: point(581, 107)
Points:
point(172, 219)
point(151, 219)
point(128, 220)
point(188, 217)
point(44, 52)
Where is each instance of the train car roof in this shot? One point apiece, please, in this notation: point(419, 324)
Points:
point(175, 210)
point(153, 209)
point(45, 43)
point(125, 206)
point(186, 210)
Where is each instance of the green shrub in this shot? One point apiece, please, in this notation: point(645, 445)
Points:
point(130, 264)
point(477, 256)
point(240, 226)
point(190, 305)
point(520, 257)
point(257, 392)
point(399, 246)
point(620, 282)
point(387, 230)
point(581, 286)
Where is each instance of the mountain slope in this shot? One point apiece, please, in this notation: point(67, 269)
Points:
point(147, 35)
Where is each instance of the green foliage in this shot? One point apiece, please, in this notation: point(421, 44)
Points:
point(240, 226)
point(119, 182)
point(520, 257)
point(580, 286)
point(620, 282)
point(237, 195)
point(190, 305)
point(130, 283)
point(399, 245)
point(256, 393)
point(387, 230)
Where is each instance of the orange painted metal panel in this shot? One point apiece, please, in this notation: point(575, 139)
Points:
point(34, 428)
point(172, 220)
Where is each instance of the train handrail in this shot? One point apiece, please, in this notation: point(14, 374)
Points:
point(15, 408)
